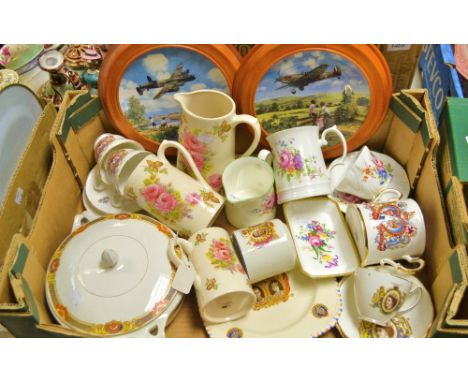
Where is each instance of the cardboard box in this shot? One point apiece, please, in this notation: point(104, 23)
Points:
point(23, 308)
point(439, 76)
point(402, 60)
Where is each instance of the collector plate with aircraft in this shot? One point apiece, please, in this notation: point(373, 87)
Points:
point(323, 85)
point(137, 84)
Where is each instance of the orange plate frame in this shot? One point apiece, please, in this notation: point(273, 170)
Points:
point(120, 57)
point(366, 57)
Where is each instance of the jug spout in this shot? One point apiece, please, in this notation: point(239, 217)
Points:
point(181, 98)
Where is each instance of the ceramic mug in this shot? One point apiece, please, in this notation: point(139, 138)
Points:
point(392, 230)
point(380, 296)
point(265, 250)
point(249, 188)
point(222, 287)
point(120, 164)
point(298, 162)
point(207, 131)
point(365, 176)
point(184, 203)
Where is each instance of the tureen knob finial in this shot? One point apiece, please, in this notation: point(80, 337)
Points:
point(109, 258)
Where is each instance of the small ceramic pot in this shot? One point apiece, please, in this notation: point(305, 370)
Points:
point(298, 162)
point(265, 250)
point(186, 204)
point(380, 296)
point(249, 188)
point(223, 291)
point(207, 131)
point(391, 230)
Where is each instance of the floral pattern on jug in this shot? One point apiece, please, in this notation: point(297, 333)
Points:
point(318, 238)
point(211, 284)
point(222, 256)
point(378, 170)
point(292, 165)
point(272, 291)
point(387, 301)
point(398, 327)
point(260, 234)
point(396, 229)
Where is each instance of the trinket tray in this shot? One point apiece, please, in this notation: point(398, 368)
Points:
point(288, 305)
point(413, 324)
point(323, 242)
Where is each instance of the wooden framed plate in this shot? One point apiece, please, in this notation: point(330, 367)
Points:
point(137, 84)
point(297, 85)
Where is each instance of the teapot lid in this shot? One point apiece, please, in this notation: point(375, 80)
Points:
point(111, 276)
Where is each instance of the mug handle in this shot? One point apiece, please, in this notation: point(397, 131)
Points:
point(266, 156)
point(335, 130)
point(161, 154)
point(418, 290)
point(254, 124)
point(176, 259)
point(409, 259)
point(397, 193)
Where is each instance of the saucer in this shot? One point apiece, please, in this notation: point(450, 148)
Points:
point(324, 245)
point(397, 181)
point(303, 308)
point(413, 324)
point(100, 201)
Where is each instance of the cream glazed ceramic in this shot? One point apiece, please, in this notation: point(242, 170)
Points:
point(112, 277)
point(290, 305)
point(414, 324)
point(365, 173)
point(300, 170)
point(380, 296)
point(265, 250)
point(249, 188)
point(391, 230)
point(222, 287)
point(207, 131)
point(324, 245)
point(184, 203)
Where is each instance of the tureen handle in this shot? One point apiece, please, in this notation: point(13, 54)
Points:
point(82, 219)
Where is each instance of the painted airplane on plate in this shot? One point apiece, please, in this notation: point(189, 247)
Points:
point(170, 85)
point(301, 80)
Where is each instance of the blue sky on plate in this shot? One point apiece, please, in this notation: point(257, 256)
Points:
point(160, 64)
point(306, 61)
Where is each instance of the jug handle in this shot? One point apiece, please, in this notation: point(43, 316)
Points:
point(335, 130)
point(162, 155)
point(255, 125)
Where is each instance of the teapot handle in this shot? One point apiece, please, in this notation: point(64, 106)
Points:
point(188, 158)
point(255, 125)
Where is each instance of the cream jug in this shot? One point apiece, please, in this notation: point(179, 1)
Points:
point(207, 131)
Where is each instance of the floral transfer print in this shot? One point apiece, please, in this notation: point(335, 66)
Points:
point(318, 238)
point(261, 234)
point(292, 165)
point(162, 199)
point(222, 131)
point(215, 181)
point(222, 256)
point(396, 228)
point(5, 55)
point(377, 170)
point(398, 327)
point(200, 238)
point(211, 284)
point(268, 205)
point(102, 144)
point(115, 160)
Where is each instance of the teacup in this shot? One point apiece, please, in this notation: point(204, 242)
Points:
point(184, 203)
point(222, 287)
point(265, 250)
point(380, 296)
point(364, 176)
point(391, 230)
point(120, 164)
point(249, 187)
point(298, 163)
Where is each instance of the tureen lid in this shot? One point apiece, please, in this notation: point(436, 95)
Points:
point(111, 276)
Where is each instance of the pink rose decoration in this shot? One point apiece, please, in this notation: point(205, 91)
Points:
point(161, 199)
point(199, 160)
point(192, 143)
point(215, 181)
point(315, 241)
point(192, 198)
point(286, 159)
point(270, 202)
point(222, 251)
